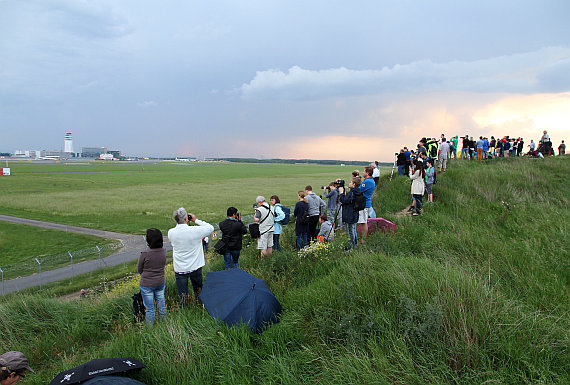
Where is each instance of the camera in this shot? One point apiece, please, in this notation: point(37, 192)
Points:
point(339, 183)
point(254, 205)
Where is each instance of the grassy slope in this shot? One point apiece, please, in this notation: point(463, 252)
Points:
point(467, 293)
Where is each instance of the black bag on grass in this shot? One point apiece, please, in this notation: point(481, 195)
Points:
point(138, 308)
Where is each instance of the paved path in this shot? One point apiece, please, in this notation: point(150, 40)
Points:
point(68, 228)
point(133, 244)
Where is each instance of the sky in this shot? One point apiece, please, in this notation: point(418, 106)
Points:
point(280, 79)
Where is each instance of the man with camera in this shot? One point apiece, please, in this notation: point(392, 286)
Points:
point(232, 229)
point(315, 205)
point(331, 193)
point(187, 253)
point(349, 214)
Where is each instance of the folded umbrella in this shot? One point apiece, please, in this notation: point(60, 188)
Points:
point(236, 297)
point(96, 368)
point(112, 380)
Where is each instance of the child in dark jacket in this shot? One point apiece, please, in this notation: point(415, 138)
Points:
point(349, 214)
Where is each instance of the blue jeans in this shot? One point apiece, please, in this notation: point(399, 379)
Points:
point(182, 286)
point(276, 244)
point(302, 241)
point(401, 170)
point(149, 295)
point(352, 234)
point(231, 258)
point(465, 153)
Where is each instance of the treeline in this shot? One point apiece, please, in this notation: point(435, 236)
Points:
point(294, 161)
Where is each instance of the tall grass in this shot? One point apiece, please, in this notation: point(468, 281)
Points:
point(473, 291)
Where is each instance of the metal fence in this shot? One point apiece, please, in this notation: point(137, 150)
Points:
point(44, 263)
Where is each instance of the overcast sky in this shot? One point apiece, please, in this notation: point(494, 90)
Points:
point(292, 79)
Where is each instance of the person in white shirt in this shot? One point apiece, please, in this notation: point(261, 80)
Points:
point(443, 154)
point(187, 253)
point(376, 172)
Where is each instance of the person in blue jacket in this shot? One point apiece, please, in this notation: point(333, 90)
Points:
point(349, 214)
point(279, 216)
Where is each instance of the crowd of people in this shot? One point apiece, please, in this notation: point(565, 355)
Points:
point(420, 164)
point(315, 220)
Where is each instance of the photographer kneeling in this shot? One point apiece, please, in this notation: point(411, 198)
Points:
point(349, 214)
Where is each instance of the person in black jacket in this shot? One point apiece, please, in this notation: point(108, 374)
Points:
point(301, 220)
point(349, 214)
point(401, 162)
point(233, 230)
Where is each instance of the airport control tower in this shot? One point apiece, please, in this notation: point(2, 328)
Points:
point(68, 142)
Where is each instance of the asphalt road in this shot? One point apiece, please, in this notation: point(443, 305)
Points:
point(133, 244)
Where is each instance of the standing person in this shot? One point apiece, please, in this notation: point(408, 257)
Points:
point(479, 146)
point(265, 216)
point(562, 149)
point(349, 214)
point(430, 178)
point(367, 189)
point(465, 148)
point(315, 205)
point(472, 148)
point(151, 265)
point(376, 173)
point(408, 155)
point(443, 155)
point(332, 202)
point(506, 147)
point(417, 175)
point(401, 162)
point(492, 145)
point(485, 148)
point(279, 216)
point(188, 254)
point(454, 143)
point(301, 221)
point(233, 230)
point(13, 366)
point(520, 147)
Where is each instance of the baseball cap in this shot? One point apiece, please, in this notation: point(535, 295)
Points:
point(14, 361)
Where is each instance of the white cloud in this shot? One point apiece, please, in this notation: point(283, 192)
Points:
point(148, 104)
point(536, 71)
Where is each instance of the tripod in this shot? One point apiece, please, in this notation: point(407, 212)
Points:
point(393, 167)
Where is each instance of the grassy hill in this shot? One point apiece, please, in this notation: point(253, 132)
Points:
point(476, 290)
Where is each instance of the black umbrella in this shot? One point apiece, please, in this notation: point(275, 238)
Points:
point(236, 297)
point(96, 368)
point(112, 380)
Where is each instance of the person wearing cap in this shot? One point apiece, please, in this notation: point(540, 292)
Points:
point(187, 253)
point(13, 366)
point(265, 216)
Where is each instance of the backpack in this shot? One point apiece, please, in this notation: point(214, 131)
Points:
point(359, 202)
point(287, 212)
point(139, 310)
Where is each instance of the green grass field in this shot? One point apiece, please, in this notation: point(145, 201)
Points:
point(22, 242)
point(124, 198)
point(474, 291)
